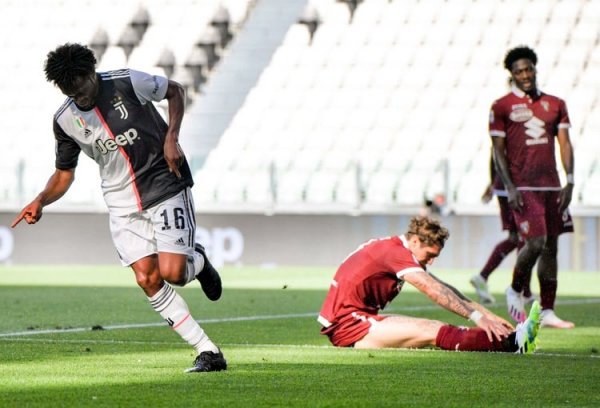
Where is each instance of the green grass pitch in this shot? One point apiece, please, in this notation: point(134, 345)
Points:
point(266, 325)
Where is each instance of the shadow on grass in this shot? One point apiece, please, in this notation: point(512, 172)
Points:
point(309, 377)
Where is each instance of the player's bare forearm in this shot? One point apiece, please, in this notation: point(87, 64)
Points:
point(176, 97)
point(173, 154)
point(489, 314)
point(501, 162)
point(56, 187)
point(568, 162)
point(441, 293)
point(566, 151)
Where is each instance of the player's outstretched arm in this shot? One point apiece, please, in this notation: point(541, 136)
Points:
point(453, 300)
point(491, 315)
point(56, 187)
point(477, 306)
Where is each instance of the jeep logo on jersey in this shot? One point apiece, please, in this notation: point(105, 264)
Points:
point(110, 145)
point(119, 106)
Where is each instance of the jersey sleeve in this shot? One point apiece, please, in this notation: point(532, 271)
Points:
point(148, 87)
point(67, 150)
point(497, 120)
point(564, 121)
point(401, 262)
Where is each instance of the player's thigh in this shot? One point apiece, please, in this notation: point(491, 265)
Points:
point(133, 237)
point(401, 331)
point(531, 220)
point(174, 224)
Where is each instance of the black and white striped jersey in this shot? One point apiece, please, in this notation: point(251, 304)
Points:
point(124, 133)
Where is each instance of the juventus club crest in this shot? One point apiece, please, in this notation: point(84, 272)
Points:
point(119, 106)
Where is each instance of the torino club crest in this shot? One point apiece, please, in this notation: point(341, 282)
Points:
point(119, 106)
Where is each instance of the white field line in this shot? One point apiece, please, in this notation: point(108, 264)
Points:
point(158, 324)
point(245, 319)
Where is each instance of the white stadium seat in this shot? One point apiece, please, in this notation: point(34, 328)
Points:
point(374, 103)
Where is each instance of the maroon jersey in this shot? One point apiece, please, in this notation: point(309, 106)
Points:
point(530, 126)
point(368, 279)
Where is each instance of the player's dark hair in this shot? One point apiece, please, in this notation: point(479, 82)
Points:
point(429, 231)
point(67, 63)
point(517, 53)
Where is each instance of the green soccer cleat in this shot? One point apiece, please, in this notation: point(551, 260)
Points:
point(526, 333)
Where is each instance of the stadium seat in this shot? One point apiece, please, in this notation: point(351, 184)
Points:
point(291, 186)
point(380, 188)
point(369, 99)
point(258, 188)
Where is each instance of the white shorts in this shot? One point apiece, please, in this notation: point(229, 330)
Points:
point(167, 227)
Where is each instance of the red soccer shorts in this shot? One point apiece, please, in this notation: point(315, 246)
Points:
point(350, 329)
point(540, 215)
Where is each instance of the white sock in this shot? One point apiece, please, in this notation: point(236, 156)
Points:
point(175, 311)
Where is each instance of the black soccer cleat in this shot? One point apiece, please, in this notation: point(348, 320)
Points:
point(208, 361)
point(209, 278)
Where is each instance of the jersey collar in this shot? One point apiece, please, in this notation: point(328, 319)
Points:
point(405, 243)
point(522, 94)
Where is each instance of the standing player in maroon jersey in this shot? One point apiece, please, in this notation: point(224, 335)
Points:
point(146, 181)
point(524, 125)
point(504, 247)
point(373, 275)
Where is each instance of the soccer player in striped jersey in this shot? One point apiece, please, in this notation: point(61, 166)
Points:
point(146, 181)
point(374, 274)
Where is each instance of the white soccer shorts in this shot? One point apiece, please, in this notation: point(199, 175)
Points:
point(167, 227)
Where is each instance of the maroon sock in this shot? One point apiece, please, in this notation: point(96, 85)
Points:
point(497, 256)
point(470, 339)
point(548, 293)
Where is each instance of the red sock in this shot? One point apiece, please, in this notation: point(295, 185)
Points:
point(470, 339)
point(498, 254)
point(548, 293)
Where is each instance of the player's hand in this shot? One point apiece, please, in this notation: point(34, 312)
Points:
point(174, 156)
point(501, 321)
point(31, 214)
point(493, 328)
point(515, 199)
point(565, 196)
point(488, 194)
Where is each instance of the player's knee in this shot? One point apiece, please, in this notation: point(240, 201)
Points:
point(148, 281)
point(536, 244)
point(550, 252)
